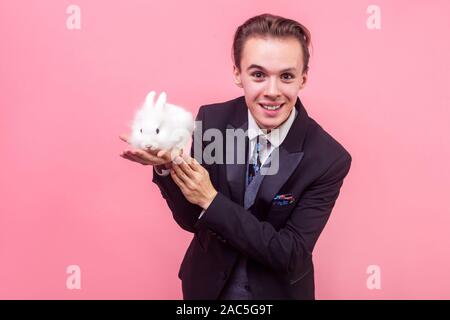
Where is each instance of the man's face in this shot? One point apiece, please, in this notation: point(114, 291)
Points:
point(271, 74)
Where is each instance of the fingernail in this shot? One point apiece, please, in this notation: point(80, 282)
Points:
point(178, 160)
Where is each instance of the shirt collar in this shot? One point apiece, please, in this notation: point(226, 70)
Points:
point(276, 136)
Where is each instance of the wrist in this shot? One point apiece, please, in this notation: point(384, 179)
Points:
point(209, 200)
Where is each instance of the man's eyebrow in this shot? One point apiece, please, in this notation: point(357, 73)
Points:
point(262, 68)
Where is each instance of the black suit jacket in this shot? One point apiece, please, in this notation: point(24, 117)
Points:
point(278, 240)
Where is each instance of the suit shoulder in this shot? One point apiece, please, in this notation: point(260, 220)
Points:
point(220, 107)
point(320, 139)
point(218, 114)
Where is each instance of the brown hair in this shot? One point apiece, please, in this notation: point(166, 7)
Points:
point(268, 25)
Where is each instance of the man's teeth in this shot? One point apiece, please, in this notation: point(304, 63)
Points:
point(271, 107)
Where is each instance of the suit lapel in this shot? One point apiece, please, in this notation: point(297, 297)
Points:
point(236, 171)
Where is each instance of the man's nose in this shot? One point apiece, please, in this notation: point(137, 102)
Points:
point(272, 88)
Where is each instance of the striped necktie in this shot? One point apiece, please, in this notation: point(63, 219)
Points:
point(255, 161)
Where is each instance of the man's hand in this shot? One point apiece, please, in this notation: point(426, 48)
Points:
point(193, 181)
point(161, 158)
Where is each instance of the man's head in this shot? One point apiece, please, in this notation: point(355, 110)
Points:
point(271, 59)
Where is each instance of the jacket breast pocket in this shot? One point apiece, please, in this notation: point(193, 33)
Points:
point(283, 207)
point(283, 201)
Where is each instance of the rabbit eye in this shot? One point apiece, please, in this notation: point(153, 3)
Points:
point(141, 130)
point(157, 130)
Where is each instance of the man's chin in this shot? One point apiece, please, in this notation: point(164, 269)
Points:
point(270, 126)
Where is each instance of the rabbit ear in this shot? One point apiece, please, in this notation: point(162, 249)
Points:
point(149, 100)
point(161, 102)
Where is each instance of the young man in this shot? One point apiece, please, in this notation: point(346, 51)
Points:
point(254, 234)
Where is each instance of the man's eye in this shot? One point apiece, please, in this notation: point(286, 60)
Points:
point(256, 73)
point(291, 76)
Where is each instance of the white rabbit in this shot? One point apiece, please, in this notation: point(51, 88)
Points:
point(161, 125)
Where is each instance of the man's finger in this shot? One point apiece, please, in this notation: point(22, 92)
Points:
point(187, 181)
point(193, 164)
point(133, 158)
point(197, 165)
point(124, 137)
point(178, 181)
point(140, 157)
point(180, 173)
point(187, 158)
point(145, 156)
point(186, 168)
point(151, 151)
point(161, 153)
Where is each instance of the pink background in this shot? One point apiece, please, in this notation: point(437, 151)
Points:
point(67, 197)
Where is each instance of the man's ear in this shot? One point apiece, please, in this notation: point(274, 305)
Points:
point(237, 76)
point(304, 80)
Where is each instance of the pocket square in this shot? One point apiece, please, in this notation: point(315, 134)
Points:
point(283, 199)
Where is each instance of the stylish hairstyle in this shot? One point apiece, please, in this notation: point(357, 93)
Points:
point(266, 26)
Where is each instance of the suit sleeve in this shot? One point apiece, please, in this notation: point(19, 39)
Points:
point(185, 213)
point(287, 249)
